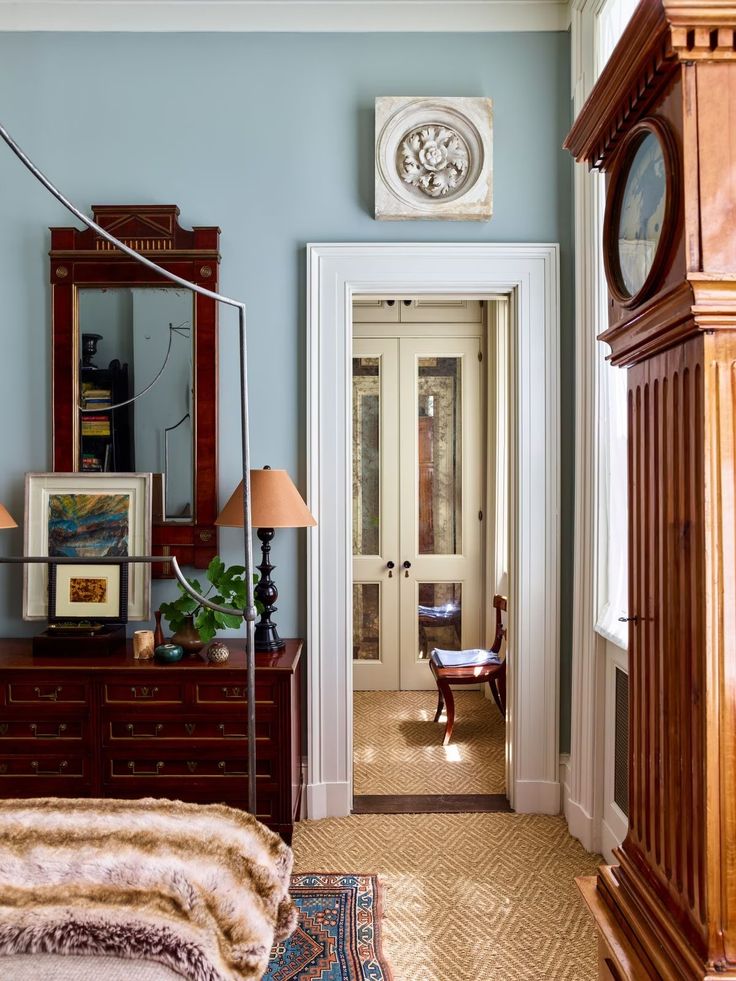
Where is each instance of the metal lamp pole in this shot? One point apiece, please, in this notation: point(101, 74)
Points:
point(249, 613)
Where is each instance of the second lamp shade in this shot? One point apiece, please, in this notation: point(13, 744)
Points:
point(275, 503)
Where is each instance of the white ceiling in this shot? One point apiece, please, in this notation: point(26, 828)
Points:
point(284, 15)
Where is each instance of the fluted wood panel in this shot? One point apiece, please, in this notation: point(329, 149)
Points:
point(667, 723)
point(719, 582)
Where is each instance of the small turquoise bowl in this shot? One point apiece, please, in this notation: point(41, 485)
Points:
point(168, 653)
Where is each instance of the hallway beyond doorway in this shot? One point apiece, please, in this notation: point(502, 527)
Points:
point(398, 748)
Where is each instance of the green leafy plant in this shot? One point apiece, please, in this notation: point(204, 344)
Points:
point(226, 587)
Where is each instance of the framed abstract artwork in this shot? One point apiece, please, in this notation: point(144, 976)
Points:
point(87, 515)
point(88, 592)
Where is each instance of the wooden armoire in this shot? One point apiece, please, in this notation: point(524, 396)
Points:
point(661, 124)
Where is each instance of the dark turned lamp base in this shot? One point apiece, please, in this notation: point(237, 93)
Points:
point(266, 635)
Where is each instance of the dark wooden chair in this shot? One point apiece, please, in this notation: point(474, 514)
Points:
point(471, 671)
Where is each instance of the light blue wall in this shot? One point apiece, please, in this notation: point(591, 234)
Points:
point(271, 137)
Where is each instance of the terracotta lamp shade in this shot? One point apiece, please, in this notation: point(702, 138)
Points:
point(5, 519)
point(275, 503)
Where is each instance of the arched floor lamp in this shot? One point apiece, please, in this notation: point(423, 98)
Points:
point(249, 613)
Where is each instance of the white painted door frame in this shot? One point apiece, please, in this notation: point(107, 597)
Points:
point(529, 274)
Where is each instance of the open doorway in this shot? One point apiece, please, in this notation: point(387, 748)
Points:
point(430, 537)
point(528, 276)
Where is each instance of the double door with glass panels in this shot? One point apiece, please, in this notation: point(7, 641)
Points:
point(417, 501)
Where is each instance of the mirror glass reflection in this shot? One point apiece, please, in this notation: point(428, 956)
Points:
point(127, 337)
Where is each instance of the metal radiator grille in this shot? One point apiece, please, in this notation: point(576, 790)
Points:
point(621, 748)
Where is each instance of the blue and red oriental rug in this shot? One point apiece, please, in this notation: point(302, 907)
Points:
point(338, 937)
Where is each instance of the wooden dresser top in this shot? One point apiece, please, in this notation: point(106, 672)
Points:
point(16, 654)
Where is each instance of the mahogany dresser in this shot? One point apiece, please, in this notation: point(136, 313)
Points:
point(661, 124)
point(110, 726)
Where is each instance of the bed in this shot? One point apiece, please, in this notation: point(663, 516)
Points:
point(139, 890)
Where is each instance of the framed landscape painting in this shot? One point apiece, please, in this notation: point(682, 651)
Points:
point(87, 515)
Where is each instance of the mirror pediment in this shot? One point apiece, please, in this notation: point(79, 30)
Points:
point(118, 327)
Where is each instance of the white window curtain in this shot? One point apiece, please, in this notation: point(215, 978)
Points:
point(612, 586)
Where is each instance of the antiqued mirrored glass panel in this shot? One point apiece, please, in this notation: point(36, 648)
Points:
point(128, 338)
point(439, 617)
point(439, 437)
point(366, 455)
point(642, 214)
point(366, 621)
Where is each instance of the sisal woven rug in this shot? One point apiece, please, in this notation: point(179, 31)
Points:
point(338, 937)
point(468, 897)
point(398, 748)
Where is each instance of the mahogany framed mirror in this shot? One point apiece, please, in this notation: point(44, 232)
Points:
point(119, 330)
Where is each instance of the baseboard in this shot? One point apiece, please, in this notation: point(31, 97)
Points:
point(582, 826)
point(328, 800)
point(580, 823)
point(565, 780)
point(537, 797)
point(609, 841)
point(305, 780)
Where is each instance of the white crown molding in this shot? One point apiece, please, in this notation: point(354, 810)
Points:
point(284, 15)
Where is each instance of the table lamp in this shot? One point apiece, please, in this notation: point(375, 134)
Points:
point(6, 520)
point(275, 503)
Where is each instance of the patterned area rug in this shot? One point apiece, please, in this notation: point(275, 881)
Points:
point(339, 933)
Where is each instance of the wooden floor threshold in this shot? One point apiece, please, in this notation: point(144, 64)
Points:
point(429, 803)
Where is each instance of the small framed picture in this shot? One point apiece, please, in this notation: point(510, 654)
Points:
point(87, 515)
point(88, 592)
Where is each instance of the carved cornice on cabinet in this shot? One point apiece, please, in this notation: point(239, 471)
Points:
point(663, 35)
point(702, 30)
point(626, 88)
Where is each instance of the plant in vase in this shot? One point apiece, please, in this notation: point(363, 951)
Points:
point(193, 624)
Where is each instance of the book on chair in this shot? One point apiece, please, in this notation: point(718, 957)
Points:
point(465, 659)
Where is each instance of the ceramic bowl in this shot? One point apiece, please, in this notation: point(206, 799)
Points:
point(168, 653)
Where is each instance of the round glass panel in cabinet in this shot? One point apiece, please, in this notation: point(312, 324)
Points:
point(639, 213)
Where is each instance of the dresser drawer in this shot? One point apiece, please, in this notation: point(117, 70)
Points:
point(152, 769)
point(160, 693)
point(212, 730)
point(62, 692)
point(51, 727)
point(217, 693)
point(59, 766)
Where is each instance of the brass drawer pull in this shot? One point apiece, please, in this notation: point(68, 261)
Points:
point(233, 692)
point(222, 765)
point(48, 735)
point(231, 735)
point(191, 766)
point(144, 773)
point(144, 735)
point(52, 695)
point(143, 691)
point(49, 773)
point(3, 767)
point(3, 728)
point(190, 727)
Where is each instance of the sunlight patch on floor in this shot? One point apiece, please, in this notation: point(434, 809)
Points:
point(398, 746)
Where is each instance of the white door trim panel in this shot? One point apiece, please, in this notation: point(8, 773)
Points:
point(529, 274)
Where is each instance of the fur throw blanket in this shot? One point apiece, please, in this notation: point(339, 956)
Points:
point(201, 889)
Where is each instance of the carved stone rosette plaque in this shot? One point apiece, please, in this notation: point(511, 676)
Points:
point(434, 158)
